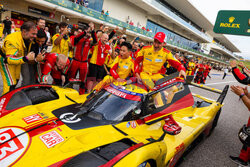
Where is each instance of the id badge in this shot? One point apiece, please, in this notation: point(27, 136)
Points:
point(102, 55)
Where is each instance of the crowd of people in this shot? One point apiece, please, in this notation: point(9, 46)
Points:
point(94, 53)
point(100, 56)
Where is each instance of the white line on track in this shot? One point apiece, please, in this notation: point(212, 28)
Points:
point(217, 83)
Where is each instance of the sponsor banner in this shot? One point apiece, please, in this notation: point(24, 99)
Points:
point(122, 94)
point(99, 16)
point(12, 145)
point(51, 139)
point(233, 22)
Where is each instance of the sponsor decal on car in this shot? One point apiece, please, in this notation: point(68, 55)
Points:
point(69, 118)
point(178, 153)
point(133, 124)
point(32, 118)
point(2, 103)
point(12, 145)
point(51, 139)
point(128, 125)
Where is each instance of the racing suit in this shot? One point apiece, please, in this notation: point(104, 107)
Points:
point(122, 68)
point(80, 60)
point(207, 69)
point(49, 66)
point(152, 63)
point(199, 78)
point(14, 49)
point(243, 78)
point(245, 151)
point(190, 68)
point(63, 47)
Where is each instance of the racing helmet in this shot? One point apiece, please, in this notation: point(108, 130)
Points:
point(244, 135)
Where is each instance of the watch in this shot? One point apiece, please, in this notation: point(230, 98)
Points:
point(243, 94)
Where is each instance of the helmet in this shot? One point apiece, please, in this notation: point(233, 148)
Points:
point(244, 135)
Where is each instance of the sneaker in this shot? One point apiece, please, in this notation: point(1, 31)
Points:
point(239, 161)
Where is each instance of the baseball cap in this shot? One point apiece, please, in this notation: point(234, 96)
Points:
point(160, 36)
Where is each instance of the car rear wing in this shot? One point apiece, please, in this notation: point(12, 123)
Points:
point(222, 93)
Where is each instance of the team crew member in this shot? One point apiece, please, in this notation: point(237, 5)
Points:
point(199, 78)
point(57, 65)
point(135, 49)
point(15, 47)
point(191, 67)
point(99, 53)
point(61, 42)
point(153, 59)
point(244, 157)
point(206, 71)
point(82, 42)
point(244, 77)
point(28, 70)
point(122, 68)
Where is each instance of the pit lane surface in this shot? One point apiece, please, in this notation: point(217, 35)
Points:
point(214, 151)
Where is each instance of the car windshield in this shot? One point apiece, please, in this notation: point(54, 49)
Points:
point(107, 106)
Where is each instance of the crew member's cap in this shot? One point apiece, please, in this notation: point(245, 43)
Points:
point(160, 36)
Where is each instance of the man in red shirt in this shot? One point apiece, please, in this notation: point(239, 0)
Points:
point(99, 53)
point(82, 42)
point(55, 64)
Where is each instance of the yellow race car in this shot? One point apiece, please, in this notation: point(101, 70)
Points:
point(43, 125)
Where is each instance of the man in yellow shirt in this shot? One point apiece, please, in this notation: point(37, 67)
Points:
point(191, 67)
point(122, 68)
point(61, 41)
point(153, 58)
point(15, 48)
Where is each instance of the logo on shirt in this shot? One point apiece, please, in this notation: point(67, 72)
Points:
point(126, 67)
point(148, 59)
point(158, 60)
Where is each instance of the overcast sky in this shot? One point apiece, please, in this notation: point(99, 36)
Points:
point(210, 8)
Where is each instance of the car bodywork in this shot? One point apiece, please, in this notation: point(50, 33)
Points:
point(118, 126)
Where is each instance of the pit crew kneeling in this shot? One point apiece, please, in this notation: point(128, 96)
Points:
point(121, 70)
point(57, 65)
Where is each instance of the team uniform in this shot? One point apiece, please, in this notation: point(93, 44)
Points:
point(199, 78)
point(152, 63)
point(99, 53)
point(206, 71)
point(14, 48)
point(80, 60)
point(134, 54)
point(242, 77)
point(190, 68)
point(63, 47)
point(122, 68)
point(49, 67)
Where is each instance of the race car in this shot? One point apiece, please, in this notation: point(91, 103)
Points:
point(45, 125)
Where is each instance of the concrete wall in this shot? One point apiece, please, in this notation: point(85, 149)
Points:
point(121, 9)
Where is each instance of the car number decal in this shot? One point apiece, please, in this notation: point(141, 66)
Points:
point(51, 139)
point(11, 150)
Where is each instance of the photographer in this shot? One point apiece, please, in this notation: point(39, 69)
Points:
point(61, 41)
